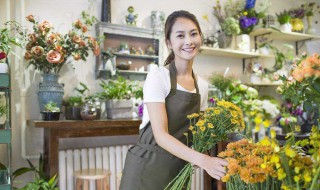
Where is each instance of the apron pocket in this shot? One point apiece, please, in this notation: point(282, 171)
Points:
point(131, 175)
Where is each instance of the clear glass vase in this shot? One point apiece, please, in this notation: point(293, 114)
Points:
point(88, 111)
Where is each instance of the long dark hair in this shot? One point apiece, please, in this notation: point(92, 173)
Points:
point(170, 22)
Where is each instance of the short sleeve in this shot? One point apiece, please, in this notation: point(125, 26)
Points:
point(154, 89)
point(204, 90)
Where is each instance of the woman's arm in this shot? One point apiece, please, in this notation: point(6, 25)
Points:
point(159, 122)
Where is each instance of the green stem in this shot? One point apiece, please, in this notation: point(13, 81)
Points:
point(315, 180)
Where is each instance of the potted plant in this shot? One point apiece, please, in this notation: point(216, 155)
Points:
point(73, 107)
point(51, 112)
point(90, 109)
point(8, 41)
point(296, 19)
point(284, 19)
point(118, 94)
point(41, 182)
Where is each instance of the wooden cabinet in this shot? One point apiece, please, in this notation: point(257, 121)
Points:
point(135, 41)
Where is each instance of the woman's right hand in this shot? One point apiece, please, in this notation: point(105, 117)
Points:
point(215, 167)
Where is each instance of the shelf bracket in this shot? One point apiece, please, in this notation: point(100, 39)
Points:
point(302, 43)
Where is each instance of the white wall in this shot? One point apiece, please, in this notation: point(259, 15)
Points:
point(61, 13)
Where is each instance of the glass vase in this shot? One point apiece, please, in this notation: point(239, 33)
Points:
point(88, 111)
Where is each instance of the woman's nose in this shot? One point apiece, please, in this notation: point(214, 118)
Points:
point(188, 40)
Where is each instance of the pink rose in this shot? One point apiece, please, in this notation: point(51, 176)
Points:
point(51, 39)
point(84, 29)
point(27, 55)
point(76, 39)
point(30, 18)
point(78, 24)
point(96, 49)
point(37, 51)
point(82, 43)
point(45, 26)
point(54, 57)
point(32, 37)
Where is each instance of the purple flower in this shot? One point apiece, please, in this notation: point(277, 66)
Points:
point(246, 22)
point(250, 4)
point(140, 110)
point(212, 100)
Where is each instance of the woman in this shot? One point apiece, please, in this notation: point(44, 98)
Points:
point(170, 94)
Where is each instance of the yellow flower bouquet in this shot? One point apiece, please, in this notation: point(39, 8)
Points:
point(207, 130)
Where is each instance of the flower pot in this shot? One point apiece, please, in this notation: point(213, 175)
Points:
point(264, 50)
point(310, 30)
point(224, 41)
point(119, 109)
point(297, 25)
point(50, 90)
point(73, 112)
point(4, 68)
point(286, 27)
point(243, 42)
point(50, 116)
point(88, 111)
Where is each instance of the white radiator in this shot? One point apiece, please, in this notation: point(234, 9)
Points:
point(110, 158)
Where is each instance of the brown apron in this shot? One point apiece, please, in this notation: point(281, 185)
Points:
point(148, 166)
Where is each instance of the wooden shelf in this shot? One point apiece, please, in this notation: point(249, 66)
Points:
point(133, 72)
point(288, 36)
point(231, 53)
point(136, 56)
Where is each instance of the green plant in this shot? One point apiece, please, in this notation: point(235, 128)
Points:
point(2, 166)
point(74, 101)
point(85, 93)
point(221, 82)
point(119, 89)
point(281, 56)
point(3, 109)
point(231, 26)
point(41, 182)
point(283, 17)
point(8, 39)
point(51, 107)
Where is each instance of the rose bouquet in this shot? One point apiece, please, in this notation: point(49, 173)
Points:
point(48, 51)
point(207, 130)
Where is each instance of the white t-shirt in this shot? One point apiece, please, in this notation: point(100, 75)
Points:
point(157, 87)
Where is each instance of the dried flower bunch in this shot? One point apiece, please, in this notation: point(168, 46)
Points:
point(48, 50)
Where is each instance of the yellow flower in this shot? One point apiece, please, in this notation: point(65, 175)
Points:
point(307, 177)
point(273, 133)
point(202, 128)
point(266, 123)
point(289, 152)
point(274, 159)
point(265, 142)
point(296, 178)
point(297, 128)
point(245, 13)
point(257, 120)
point(296, 169)
point(284, 187)
point(225, 178)
point(257, 128)
point(281, 174)
point(210, 126)
point(191, 128)
point(216, 111)
point(200, 123)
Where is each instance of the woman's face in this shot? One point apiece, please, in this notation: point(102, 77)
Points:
point(185, 39)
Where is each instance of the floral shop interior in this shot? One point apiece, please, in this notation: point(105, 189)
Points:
point(72, 78)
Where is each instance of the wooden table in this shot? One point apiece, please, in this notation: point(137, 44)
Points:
point(54, 130)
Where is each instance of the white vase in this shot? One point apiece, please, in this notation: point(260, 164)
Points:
point(243, 42)
point(310, 30)
point(3, 68)
point(286, 27)
point(264, 51)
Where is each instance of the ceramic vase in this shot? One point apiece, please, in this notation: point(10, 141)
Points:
point(224, 41)
point(50, 90)
point(243, 42)
point(310, 30)
point(297, 25)
point(287, 27)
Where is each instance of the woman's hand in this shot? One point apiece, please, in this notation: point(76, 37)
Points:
point(215, 167)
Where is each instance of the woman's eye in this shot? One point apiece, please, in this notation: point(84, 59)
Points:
point(180, 36)
point(194, 34)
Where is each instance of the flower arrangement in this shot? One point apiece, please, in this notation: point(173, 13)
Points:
point(310, 8)
point(297, 13)
point(266, 164)
point(8, 41)
point(51, 107)
point(48, 51)
point(208, 129)
point(302, 86)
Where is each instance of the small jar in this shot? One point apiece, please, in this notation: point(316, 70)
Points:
point(88, 111)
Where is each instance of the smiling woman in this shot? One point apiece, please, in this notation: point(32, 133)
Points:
point(171, 93)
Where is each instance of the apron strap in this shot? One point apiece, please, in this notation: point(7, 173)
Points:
point(173, 79)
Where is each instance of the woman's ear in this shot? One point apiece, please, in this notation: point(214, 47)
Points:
point(168, 44)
